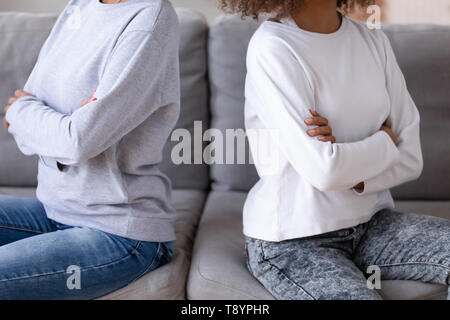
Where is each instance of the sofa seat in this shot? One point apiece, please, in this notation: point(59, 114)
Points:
point(218, 268)
point(169, 281)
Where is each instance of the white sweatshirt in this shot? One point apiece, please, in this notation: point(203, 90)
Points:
point(350, 77)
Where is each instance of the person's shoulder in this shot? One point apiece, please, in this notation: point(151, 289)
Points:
point(270, 30)
point(269, 38)
point(155, 14)
point(371, 33)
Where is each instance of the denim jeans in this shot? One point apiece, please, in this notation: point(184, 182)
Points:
point(43, 259)
point(334, 265)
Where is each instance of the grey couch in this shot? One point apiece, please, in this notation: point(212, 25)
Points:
point(209, 200)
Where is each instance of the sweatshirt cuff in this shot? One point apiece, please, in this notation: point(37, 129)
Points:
point(392, 152)
point(11, 115)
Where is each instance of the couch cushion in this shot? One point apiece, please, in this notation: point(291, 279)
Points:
point(169, 281)
point(424, 56)
point(228, 41)
point(423, 53)
point(22, 37)
point(194, 98)
point(218, 268)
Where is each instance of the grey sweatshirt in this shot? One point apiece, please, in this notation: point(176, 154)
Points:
point(98, 164)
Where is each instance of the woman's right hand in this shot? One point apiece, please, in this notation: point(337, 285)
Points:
point(390, 133)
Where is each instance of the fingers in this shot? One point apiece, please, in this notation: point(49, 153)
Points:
point(85, 102)
point(316, 120)
point(88, 101)
point(314, 113)
point(11, 101)
point(21, 93)
point(17, 94)
point(324, 131)
point(331, 139)
point(5, 123)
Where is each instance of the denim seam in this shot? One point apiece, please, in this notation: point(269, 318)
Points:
point(283, 274)
point(19, 228)
point(64, 271)
point(151, 264)
point(136, 248)
point(414, 262)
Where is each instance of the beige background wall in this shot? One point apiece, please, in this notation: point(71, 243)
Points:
point(426, 11)
point(400, 11)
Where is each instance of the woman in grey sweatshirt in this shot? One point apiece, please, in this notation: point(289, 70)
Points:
point(102, 217)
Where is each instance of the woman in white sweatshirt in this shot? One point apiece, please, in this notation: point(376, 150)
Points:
point(347, 130)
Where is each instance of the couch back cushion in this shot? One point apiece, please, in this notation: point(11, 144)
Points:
point(423, 53)
point(194, 98)
point(229, 37)
point(22, 37)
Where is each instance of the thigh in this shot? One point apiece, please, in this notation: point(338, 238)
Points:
point(407, 246)
point(75, 263)
point(307, 270)
point(22, 218)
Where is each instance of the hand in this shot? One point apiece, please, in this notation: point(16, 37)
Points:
point(390, 133)
point(359, 187)
point(17, 94)
point(91, 99)
point(323, 130)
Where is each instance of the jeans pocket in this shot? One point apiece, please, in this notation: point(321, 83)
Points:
point(273, 250)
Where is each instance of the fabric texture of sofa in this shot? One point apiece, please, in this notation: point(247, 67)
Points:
point(212, 81)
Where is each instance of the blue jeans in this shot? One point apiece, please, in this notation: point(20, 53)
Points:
point(43, 259)
point(334, 265)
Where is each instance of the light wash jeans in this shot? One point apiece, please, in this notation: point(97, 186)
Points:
point(43, 259)
point(404, 246)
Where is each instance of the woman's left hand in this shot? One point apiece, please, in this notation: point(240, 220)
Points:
point(323, 130)
point(17, 94)
point(91, 99)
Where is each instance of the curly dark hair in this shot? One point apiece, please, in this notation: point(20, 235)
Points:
point(279, 8)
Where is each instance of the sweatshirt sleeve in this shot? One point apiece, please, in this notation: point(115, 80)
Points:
point(404, 119)
point(278, 88)
point(138, 79)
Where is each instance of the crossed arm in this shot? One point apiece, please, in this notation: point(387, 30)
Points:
point(325, 164)
point(324, 133)
point(21, 93)
point(279, 87)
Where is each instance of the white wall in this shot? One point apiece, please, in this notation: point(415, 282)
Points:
point(208, 7)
